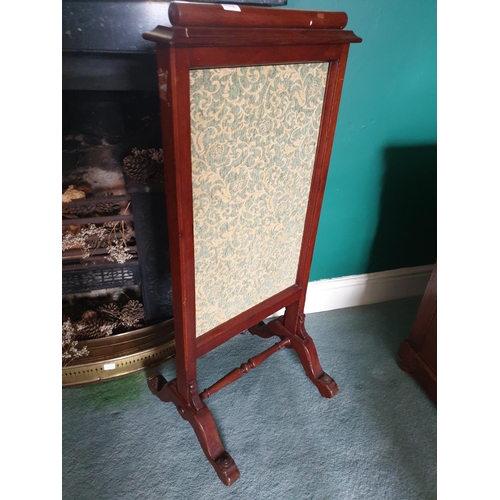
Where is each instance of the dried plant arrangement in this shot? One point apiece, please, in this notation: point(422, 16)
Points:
point(70, 350)
point(113, 236)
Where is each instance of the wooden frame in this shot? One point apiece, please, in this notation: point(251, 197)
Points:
point(209, 36)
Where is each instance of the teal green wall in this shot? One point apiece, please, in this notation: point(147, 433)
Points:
point(379, 210)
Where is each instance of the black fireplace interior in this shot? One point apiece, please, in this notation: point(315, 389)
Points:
point(101, 130)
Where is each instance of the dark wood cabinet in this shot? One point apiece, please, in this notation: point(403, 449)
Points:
point(417, 354)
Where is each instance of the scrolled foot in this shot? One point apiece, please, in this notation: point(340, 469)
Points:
point(226, 468)
point(326, 385)
point(303, 345)
point(202, 422)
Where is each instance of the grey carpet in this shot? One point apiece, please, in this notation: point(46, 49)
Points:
point(376, 439)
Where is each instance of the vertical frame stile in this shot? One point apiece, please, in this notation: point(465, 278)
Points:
point(173, 73)
point(333, 89)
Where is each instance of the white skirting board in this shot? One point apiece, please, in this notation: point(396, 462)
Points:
point(361, 289)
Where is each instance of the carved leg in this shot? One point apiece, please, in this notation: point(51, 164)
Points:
point(306, 350)
point(304, 346)
point(200, 418)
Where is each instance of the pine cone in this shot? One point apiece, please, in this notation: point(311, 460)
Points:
point(77, 211)
point(91, 210)
point(107, 209)
point(132, 313)
point(93, 328)
point(87, 316)
point(144, 166)
point(110, 312)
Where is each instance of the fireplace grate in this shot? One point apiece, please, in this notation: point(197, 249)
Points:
point(99, 278)
point(99, 251)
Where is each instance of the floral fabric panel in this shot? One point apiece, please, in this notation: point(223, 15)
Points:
point(254, 132)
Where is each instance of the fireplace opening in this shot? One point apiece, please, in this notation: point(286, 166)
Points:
point(115, 260)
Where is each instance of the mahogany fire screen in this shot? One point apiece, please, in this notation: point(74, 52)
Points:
point(249, 98)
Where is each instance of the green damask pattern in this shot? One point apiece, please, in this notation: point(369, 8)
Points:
point(253, 141)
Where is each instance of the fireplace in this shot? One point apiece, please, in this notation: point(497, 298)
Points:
point(116, 296)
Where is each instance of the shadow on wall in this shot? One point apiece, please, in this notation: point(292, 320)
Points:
point(407, 228)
